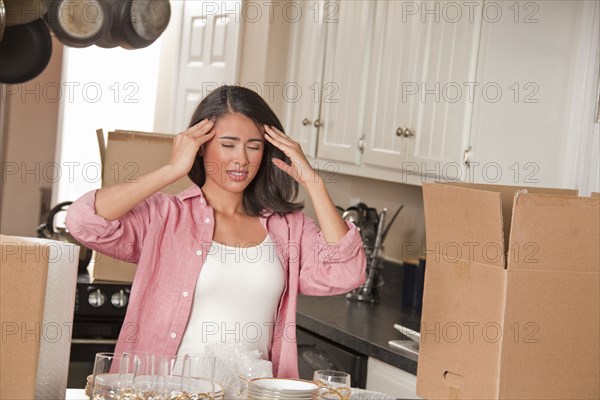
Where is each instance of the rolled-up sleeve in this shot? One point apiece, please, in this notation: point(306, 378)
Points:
point(330, 268)
point(121, 238)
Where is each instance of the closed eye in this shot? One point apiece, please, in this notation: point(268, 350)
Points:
point(227, 145)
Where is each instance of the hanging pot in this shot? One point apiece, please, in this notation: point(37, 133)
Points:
point(79, 23)
point(49, 231)
point(136, 23)
point(25, 51)
point(2, 18)
point(24, 11)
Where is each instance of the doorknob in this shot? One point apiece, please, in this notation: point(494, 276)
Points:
point(306, 121)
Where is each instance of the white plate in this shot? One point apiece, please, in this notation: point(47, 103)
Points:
point(279, 394)
point(285, 385)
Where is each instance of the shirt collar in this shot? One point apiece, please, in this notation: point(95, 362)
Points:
point(192, 191)
point(195, 191)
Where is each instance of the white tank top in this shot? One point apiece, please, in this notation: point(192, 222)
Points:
point(236, 298)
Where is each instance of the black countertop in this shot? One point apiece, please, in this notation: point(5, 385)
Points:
point(364, 327)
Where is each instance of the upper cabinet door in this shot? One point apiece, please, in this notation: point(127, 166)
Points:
point(443, 88)
point(345, 81)
point(304, 80)
point(393, 63)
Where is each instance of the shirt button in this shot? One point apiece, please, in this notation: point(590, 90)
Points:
point(185, 294)
point(207, 221)
point(199, 253)
point(202, 200)
point(173, 335)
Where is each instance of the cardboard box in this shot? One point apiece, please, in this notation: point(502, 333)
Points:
point(512, 294)
point(38, 278)
point(129, 155)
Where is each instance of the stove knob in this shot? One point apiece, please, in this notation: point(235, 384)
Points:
point(119, 299)
point(96, 298)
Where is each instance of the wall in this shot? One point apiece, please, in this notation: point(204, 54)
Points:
point(31, 116)
point(406, 238)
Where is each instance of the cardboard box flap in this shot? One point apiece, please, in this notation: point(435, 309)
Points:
point(545, 225)
point(463, 224)
point(508, 194)
point(546, 336)
point(131, 154)
point(464, 304)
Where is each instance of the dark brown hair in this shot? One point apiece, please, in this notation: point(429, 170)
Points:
point(271, 188)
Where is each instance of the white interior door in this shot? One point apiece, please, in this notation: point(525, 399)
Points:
point(208, 56)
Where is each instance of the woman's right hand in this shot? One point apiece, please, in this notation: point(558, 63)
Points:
point(186, 145)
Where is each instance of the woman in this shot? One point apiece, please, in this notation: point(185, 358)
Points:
point(205, 270)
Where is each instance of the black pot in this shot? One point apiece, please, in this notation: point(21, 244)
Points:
point(25, 51)
point(79, 24)
point(136, 23)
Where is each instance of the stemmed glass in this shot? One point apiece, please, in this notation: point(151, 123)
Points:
point(334, 385)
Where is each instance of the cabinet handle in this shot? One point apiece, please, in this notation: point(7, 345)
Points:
point(404, 132)
point(317, 123)
point(467, 156)
point(361, 143)
point(306, 121)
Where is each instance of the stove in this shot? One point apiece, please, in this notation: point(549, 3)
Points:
point(97, 320)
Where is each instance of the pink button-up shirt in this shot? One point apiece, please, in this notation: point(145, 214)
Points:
point(168, 236)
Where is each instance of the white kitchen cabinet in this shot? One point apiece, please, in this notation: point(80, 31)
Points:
point(384, 378)
point(480, 91)
point(345, 80)
point(304, 82)
point(419, 112)
point(327, 78)
point(447, 60)
point(393, 62)
point(377, 64)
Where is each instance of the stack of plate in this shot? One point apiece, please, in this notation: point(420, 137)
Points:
point(279, 389)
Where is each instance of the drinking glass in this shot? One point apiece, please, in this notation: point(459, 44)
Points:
point(199, 375)
point(115, 374)
point(191, 375)
point(334, 385)
point(169, 375)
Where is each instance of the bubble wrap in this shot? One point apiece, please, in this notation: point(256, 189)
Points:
point(235, 360)
point(55, 338)
point(360, 394)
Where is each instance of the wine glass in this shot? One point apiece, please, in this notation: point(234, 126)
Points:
point(334, 385)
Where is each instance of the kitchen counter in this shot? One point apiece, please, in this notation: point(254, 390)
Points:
point(364, 327)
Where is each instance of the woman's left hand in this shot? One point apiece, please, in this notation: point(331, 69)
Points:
point(300, 168)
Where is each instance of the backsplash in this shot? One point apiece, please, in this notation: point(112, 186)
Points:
point(406, 238)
